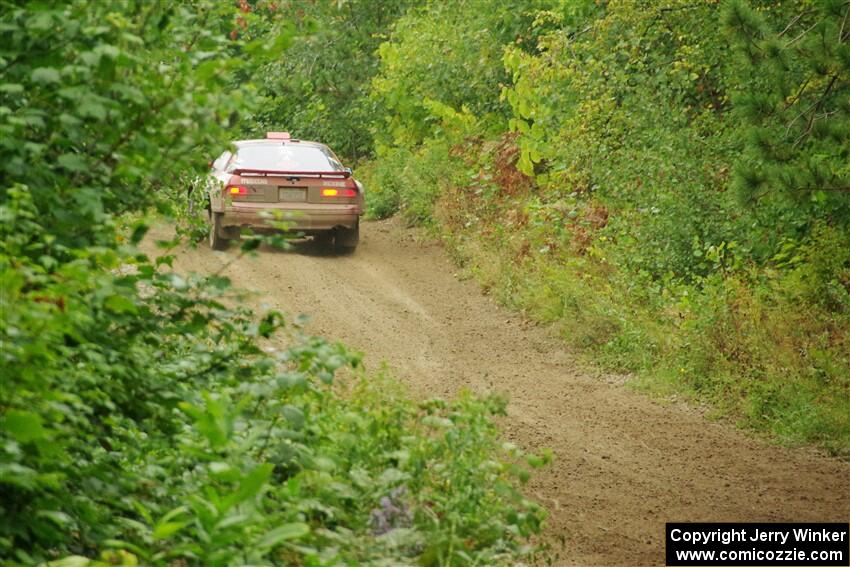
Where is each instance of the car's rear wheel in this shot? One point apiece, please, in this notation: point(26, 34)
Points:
point(325, 239)
point(347, 239)
point(216, 240)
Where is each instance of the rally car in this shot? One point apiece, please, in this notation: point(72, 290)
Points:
point(281, 179)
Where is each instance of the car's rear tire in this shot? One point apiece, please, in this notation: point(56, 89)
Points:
point(217, 242)
point(324, 240)
point(347, 239)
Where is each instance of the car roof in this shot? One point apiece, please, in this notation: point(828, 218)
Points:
point(273, 142)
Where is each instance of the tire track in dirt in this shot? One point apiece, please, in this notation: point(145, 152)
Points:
point(625, 464)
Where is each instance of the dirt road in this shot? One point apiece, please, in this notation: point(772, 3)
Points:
point(625, 464)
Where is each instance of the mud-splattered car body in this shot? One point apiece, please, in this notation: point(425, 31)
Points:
point(280, 179)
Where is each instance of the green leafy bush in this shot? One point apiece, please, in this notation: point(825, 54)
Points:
point(146, 418)
point(321, 89)
point(677, 209)
point(161, 428)
point(441, 58)
point(409, 181)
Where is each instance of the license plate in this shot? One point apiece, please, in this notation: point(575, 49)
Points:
point(287, 194)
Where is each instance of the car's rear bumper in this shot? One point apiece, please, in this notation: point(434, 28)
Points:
point(297, 216)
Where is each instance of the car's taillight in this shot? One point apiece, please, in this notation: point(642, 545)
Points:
point(339, 193)
point(237, 190)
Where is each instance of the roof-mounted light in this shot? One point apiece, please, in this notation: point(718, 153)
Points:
point(277, 136)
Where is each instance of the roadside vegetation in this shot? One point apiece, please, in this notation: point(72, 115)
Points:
point(665, 182)
point(146, 418)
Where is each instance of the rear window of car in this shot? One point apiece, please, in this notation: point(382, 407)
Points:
point(222, 160)
point(284, 157)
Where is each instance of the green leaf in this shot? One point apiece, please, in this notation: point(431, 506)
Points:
point(223, 471)
point(177, 282)
point(139, 232)
point(253, 482)
point(24, 426)
point(45, 75)
point(92, 109)
point(251, 244)
point(165, 260)
point(166, 529)
point(72, 162)
point(391, 476)
point(70, 561)
point(18, 475)
point(40, 21)
point(293, 415)
point(283, 533)
point(119, 304)
point(231, 520)
point(109, 51)
point(218, 282)
point(61, 519)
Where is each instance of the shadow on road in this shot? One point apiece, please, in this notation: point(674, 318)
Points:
point(308, 247)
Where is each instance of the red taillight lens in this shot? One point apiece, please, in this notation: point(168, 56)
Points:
point(339, 192)
point(237, 190)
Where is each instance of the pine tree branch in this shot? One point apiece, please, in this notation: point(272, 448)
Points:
point(685, 7)
point(794, 21)
point(838, 189)
point(841, 37)
point(576, 34)
point(353, 18)
point(813, 115)
point(745, 33)
point(802, 34)
point(798, 95)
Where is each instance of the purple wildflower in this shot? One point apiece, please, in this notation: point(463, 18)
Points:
point(392, 512)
